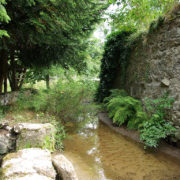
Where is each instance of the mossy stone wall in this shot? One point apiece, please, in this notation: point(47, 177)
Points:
point(154, 66)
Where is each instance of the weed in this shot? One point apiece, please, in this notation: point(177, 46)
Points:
point(60, 135)
point(49, 143)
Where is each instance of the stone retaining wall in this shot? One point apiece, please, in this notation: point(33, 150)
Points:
point(154, 66)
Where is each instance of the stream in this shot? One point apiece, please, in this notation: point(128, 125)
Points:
point(99, 153)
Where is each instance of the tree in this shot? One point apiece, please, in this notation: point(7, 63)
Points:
point(138, 14)
point(46, 32)
point(92, 54)
point(3, 18)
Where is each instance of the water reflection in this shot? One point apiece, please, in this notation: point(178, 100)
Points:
point(98, 153)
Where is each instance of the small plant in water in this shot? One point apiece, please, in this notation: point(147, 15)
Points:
point(60, 135)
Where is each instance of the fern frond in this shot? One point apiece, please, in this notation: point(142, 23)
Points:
point(125, 109)
point(121, 115)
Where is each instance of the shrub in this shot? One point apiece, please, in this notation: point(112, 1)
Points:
point(67, 100)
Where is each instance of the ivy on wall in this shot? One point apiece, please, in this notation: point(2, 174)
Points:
point(115, 55)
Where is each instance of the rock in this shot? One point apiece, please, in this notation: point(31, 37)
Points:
point(165, 82)
point(3, 125)
point(9, 98)
point(64, 167)
point(7, 142)
point(35, 135)
point(28, 164)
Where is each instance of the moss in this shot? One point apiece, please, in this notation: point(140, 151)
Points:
point(12, 155)
point(136, 38)
point(3, 172)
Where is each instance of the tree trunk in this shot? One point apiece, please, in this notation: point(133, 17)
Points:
point(47, 81)
point(22, 79)
point(16, 74)
point(5, 84)
point(1, 84)
point(12, 72)
point(3, 69)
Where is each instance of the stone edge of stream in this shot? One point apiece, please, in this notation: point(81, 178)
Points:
point(164, 148)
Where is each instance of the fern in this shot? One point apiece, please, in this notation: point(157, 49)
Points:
point(115, 93)
point(125, 109)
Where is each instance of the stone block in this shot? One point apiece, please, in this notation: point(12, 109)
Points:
point(35, 135)
point(28, 164)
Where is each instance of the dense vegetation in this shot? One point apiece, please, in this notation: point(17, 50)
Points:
point(49, 40)
point(151, 123)
point(52, 40)
point(69, 100)
point(3, 18)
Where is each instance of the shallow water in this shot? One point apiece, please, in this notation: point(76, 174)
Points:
point(98, 153)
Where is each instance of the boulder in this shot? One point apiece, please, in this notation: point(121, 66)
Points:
point(35, 135)
point(64, 167)
point(28, 164)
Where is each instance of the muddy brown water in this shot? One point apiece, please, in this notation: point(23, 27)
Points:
point(99, 153)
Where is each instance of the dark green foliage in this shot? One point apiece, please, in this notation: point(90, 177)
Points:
point(115, 55)
point(46, 32)
point(115, 93)
point(124, 109)
point(157, 128)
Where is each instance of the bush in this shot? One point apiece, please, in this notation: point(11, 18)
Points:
point(67, 100)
